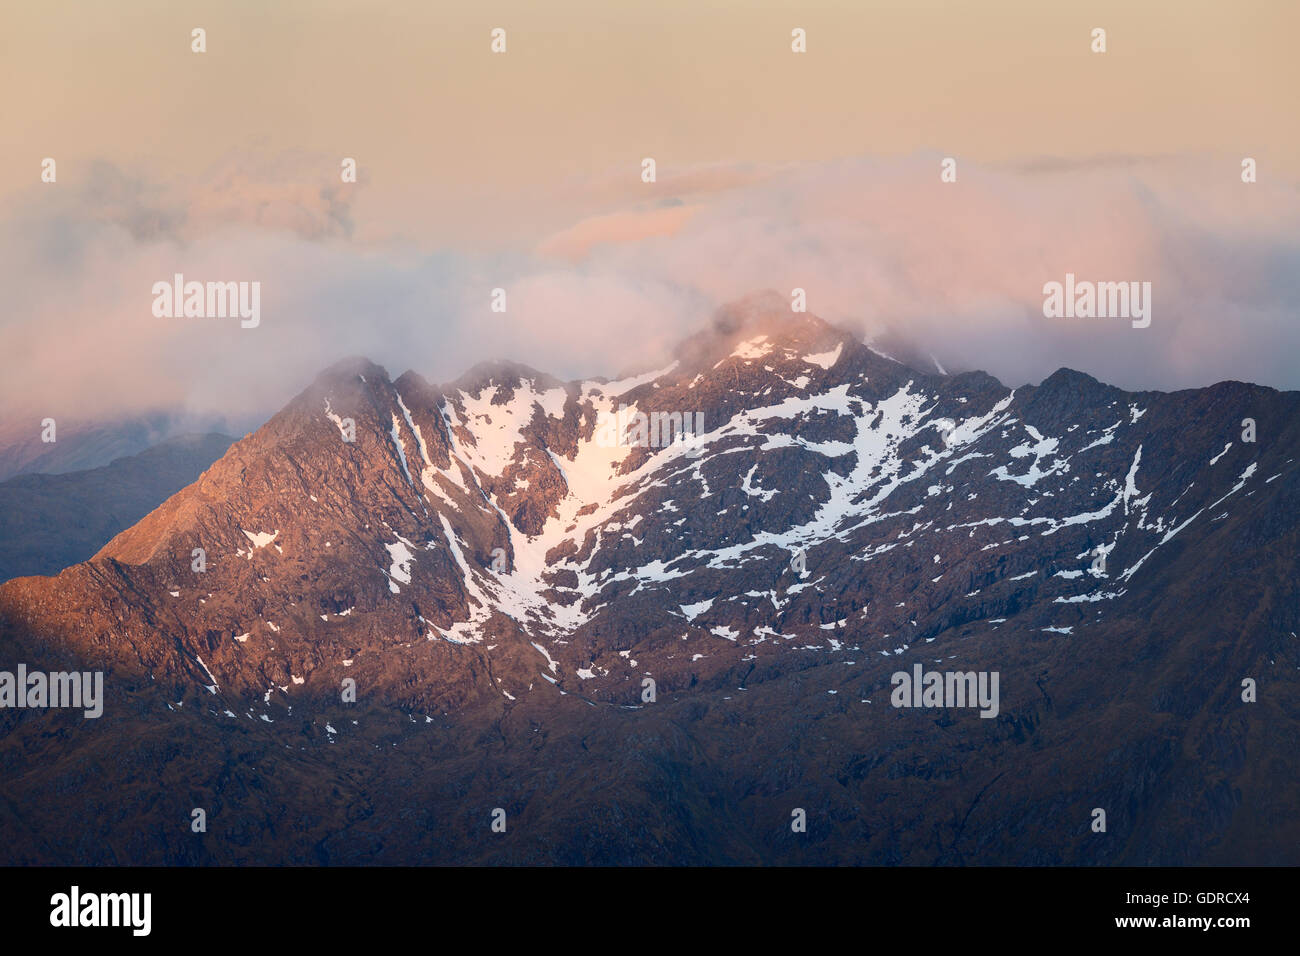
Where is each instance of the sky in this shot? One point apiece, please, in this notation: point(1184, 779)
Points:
point(522, 170)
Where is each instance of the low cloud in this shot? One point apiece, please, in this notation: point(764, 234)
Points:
point(881, 247)
point(957, 270)
point(291, 195)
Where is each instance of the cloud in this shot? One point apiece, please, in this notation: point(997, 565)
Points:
point(575, 242)
point(880, 246)
point(958, 269)
point(295, 193)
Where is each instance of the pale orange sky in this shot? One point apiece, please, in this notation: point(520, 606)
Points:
point(458, 144)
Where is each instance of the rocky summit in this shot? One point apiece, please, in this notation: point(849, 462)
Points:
point(688, 616)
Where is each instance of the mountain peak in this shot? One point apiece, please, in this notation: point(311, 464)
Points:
point(353, 367)
point(758, 323)
point(791, 516)
point(1072, 378)
point(502, 372)
point(765, 311)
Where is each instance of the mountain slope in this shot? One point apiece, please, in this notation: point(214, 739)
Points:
point(502, 564)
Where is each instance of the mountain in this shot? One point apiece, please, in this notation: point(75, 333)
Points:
point(48, 522)
point(648, 650)
point(84, 444)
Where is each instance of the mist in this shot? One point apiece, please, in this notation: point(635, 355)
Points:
point(881, 247)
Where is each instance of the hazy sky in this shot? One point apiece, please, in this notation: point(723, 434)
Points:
point(522, 170)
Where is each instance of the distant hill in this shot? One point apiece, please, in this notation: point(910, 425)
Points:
point(51, 521)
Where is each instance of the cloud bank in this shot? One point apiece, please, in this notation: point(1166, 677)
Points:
point(882, 248)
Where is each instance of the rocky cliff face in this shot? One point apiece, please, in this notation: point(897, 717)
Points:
point(652, 617)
